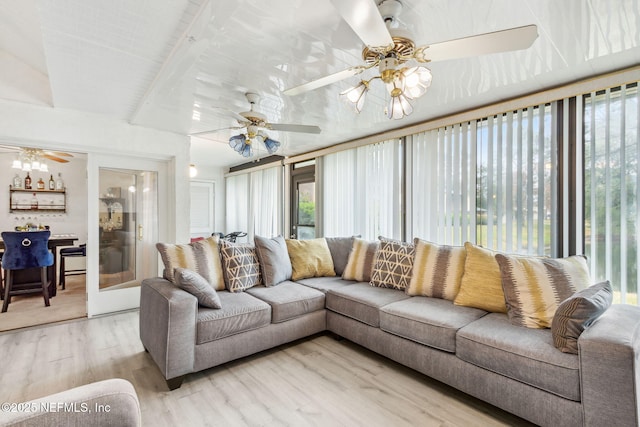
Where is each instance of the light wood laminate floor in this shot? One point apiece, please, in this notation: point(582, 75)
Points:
point(314, 382)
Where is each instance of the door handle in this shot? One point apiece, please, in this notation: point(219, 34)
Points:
point(140, 233)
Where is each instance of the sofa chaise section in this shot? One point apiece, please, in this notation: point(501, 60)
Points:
point(182, 337)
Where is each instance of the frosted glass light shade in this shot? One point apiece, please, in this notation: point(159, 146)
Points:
point(399, 107)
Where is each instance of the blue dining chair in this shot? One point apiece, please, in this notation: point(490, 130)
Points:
point(25, 250)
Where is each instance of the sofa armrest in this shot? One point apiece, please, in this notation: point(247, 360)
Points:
point(111, 402)
point(168, 326)
point(610, 373)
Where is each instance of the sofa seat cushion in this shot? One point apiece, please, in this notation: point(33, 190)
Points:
point(362, 302)
point(240, 312)
point(429, 321)
point(325, 284)
point(523, 354)
point(289, 300)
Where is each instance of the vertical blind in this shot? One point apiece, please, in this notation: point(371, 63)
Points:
point(442, 184)
point(612, 183)
point(362, 191)
point(254, 203)
point(516, 181)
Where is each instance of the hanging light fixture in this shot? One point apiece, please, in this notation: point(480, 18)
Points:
point(243, 143)
point(193, 171)
point(29, 160)
point(402, 85)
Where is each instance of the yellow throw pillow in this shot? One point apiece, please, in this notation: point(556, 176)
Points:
point(310, 258)
point(534, 287)
point(437, 270)
point(481, 285)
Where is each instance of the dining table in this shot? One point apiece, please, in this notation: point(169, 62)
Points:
point(55, 240)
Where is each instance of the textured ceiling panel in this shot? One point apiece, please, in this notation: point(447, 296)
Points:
point(184, 66)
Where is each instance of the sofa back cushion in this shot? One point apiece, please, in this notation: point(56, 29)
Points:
point(361, 259)
point(481, 284)
point(310, 258)
point(241, 266)
point(202, 256)
point(534, 287)
point(577, 313)
point(274, 260)
point(437, 270)
point(393, 263)
point(340, 247)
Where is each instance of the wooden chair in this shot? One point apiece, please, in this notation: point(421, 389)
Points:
point(25, 250)
point(75, 251)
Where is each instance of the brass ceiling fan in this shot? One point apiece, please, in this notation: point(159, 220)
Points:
point(254, 122)
point(392, 50)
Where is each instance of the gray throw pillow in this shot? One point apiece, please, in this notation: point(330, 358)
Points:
point(197, 286)
point(274, 260)
point(340, 247)
point(577, 313)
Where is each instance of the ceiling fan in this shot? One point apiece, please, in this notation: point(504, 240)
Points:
point(255, 122)
point(389, 47)
point(33, 158)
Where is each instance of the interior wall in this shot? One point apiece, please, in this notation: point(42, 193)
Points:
point(74, 175)
point(68, 130)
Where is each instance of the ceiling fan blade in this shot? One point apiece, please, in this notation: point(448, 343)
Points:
point(233, 114)
point(482, 44)
point(59, 153)
point(365, 20)
point(294, 128)
point(55, 158)
point(326, 80)
point(204, 132)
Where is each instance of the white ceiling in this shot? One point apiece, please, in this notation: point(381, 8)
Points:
point(160, 64)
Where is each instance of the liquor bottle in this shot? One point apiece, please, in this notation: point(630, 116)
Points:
point(27, 182)
point(34, 201)
point(52, 183)
point(40, 184)
point(59, 182)
point(17, 181)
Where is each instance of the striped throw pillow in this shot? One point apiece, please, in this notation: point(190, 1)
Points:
point(201, 256)
point(393, 264)
point(361, 260)
point(241, 266)
point(437, 270)
point(577, 313)
point(534, 287)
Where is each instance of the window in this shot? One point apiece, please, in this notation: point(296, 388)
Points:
point(362, 191)
point(254, 202)
point(516, 181)
point(612, 182)
point(442, 184)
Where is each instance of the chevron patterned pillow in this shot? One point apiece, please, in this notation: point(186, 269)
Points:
point(392, 265)
point(241, 266)
point(437, 270)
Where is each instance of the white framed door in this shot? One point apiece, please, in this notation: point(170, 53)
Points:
point(126, 217)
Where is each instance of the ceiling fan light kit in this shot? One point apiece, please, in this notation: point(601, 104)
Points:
point(389, 47)
point(29, 160)
point(254, 122)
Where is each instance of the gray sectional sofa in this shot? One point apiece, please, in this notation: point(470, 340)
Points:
point(480, 353)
